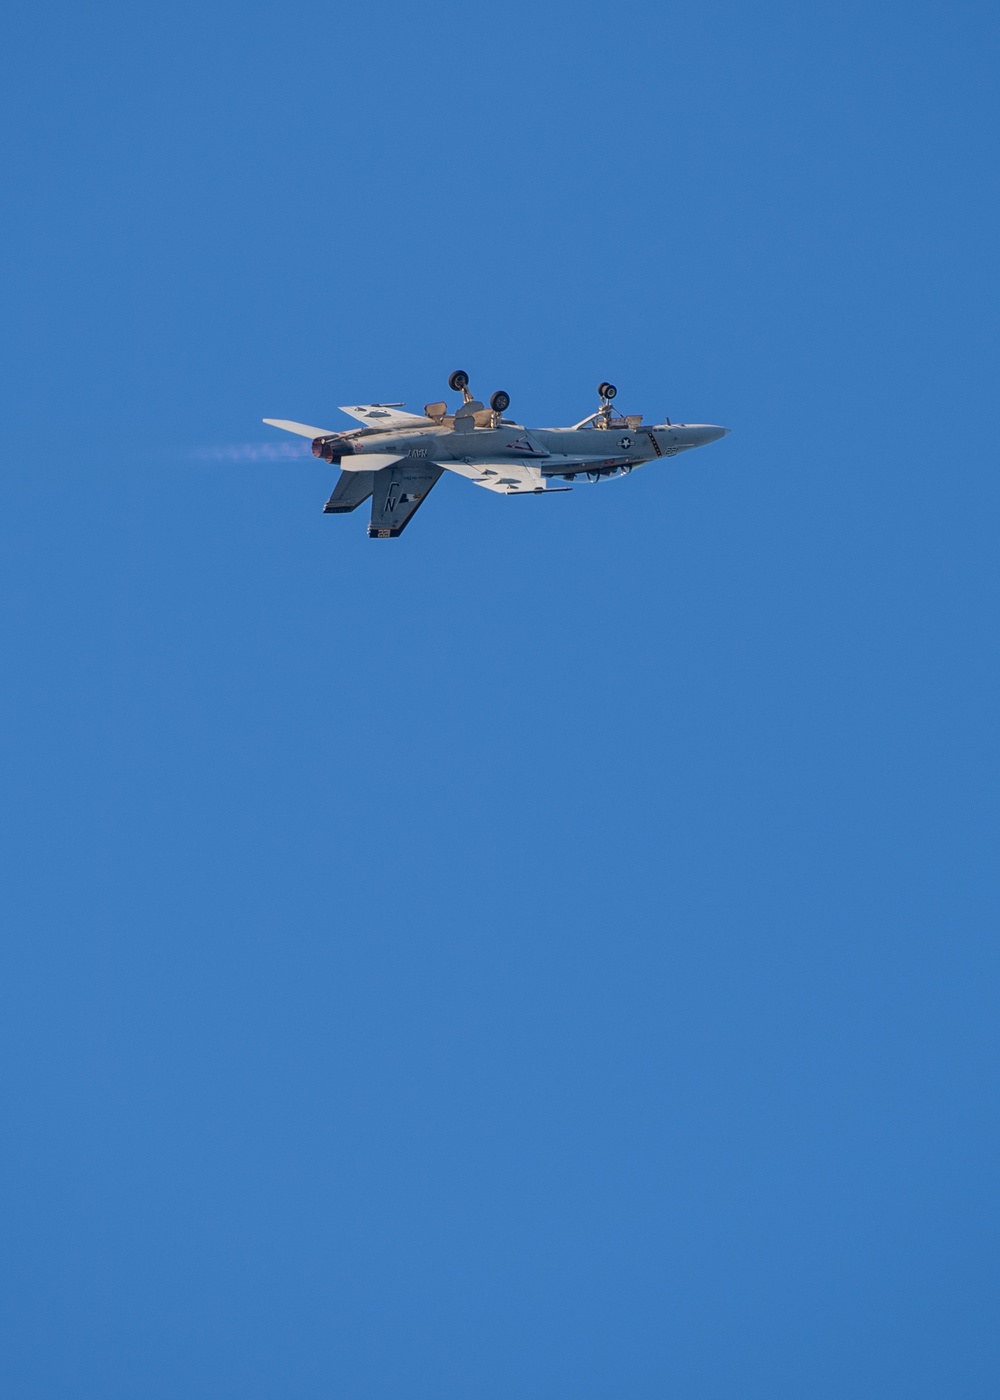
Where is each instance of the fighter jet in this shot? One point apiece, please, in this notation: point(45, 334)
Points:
point(396, 458)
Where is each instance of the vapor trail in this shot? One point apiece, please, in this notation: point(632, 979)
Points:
point(252, 452)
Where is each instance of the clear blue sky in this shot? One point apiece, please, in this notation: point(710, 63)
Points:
point(554, 954)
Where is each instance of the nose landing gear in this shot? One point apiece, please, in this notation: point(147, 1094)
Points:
point(607, 392)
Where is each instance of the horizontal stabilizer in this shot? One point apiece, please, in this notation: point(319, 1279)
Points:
point(302, 429)
point(368, 461)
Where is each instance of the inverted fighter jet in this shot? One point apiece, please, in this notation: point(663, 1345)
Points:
point(396, 457)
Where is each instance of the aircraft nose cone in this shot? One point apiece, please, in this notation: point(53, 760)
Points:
point(709, 432)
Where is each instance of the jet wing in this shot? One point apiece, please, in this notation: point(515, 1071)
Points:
point(400, 491)
point(303, 429)
point(506, 478)
point(379, 415)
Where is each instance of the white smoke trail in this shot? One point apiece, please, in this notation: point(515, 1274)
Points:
point(253, 452)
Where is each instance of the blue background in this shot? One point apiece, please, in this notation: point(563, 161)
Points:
point(554, 954)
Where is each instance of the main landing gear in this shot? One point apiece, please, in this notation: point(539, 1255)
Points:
point(458, 382)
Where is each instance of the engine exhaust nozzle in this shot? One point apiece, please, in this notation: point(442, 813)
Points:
point(331, 449)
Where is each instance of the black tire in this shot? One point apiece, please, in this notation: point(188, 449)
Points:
point(606, 390)
point(500, 402)
point(458, 381)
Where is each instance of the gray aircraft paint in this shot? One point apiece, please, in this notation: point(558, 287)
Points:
point(399, 461)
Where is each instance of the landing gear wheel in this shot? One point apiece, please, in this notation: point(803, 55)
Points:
point(458, 381)
point(606, 390)
point(500, 402)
